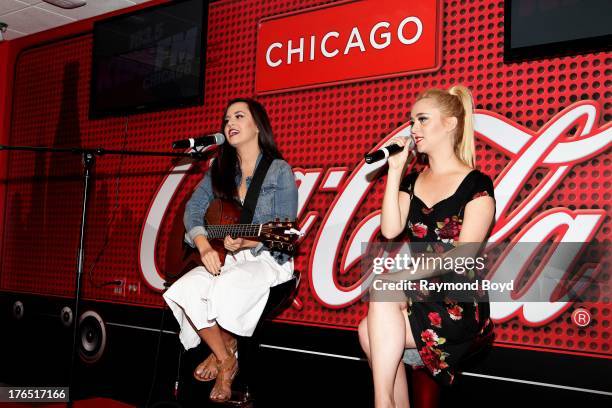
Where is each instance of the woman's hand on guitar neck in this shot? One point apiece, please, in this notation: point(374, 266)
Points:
point(234, 245)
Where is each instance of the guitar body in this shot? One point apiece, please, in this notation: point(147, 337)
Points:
point(222, 212)
point(222, 219)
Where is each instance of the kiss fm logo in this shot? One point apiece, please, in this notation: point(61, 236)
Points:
point(347, 41)
point(550, 148)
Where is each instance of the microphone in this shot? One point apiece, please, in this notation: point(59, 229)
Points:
point(202, 141)
point(385, 152)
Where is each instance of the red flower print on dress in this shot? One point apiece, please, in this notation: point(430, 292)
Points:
point(419, 229)
point(431, 338)
point(430, 359)
point(448, 231)
point(455, 312)
point(435, 319)
point(433, 359)
point(480, 194)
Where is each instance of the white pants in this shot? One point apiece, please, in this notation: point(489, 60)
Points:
point(235, 299)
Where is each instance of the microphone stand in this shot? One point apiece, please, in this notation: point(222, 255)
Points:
point(88, 157)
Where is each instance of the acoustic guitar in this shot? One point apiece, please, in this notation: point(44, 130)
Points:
point(222, 217)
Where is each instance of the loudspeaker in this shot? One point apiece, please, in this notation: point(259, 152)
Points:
point(36, 345)
point(121, 353)
point(92, 337)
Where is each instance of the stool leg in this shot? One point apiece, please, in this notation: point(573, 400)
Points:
point(425, 390)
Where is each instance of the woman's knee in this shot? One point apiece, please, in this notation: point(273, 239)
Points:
point(362, 331)
point(386, 307)
point(410, 343)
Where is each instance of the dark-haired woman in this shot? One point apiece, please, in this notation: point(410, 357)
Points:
point(213, 303)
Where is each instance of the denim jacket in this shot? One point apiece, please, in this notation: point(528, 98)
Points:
point(278, 198)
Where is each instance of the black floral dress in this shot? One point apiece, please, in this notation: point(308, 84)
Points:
point(444, 331)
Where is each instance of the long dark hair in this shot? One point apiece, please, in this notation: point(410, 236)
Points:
point(225, 167)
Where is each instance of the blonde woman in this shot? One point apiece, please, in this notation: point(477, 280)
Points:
point(446, 204)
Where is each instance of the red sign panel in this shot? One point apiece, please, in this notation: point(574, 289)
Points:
point(543, 135)
point(347, 42)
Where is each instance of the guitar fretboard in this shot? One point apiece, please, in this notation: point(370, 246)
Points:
point(234, 230)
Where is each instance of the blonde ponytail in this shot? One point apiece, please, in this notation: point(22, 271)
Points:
point(466, 147)
point(457, 102)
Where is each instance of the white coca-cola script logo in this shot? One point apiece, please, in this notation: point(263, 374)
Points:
point(550, 148)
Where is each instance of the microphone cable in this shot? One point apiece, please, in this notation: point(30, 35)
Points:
point(115, 209)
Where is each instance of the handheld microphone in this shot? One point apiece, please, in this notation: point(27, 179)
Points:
point(385, 152)
point(202, 141)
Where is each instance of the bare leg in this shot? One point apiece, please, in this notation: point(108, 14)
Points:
point(384, 335)
point(228, 338)
point(207, 370)
point(400, 388)
point(213, 337)
point(226, 365)
point(226, 361)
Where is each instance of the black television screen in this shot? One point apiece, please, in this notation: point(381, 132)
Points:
point(548, 28)
point(150, 59)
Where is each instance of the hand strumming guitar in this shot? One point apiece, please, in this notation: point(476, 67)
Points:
point(208, 255)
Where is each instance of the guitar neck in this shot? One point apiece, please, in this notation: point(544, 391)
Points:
point(234, 230)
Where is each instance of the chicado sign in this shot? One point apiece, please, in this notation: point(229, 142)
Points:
point(346, 42)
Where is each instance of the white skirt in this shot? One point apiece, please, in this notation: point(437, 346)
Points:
point(234, 299)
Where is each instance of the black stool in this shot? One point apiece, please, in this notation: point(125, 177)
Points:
point(248, 347)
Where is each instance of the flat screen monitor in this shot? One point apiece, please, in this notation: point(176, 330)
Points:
point(549, 28)
point(151, 59)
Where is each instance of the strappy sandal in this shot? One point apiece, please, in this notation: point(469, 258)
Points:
point(210, 364)
point(228, 368)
